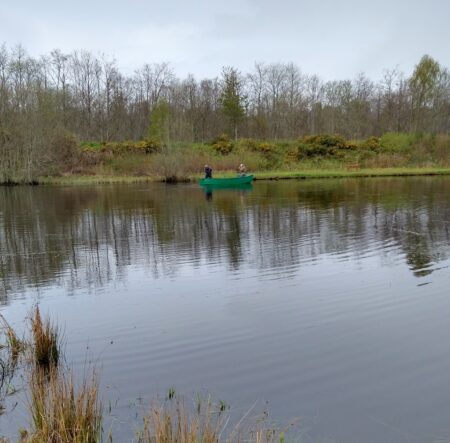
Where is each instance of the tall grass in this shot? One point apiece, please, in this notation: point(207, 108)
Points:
point(13, 342)
point(62, 412)
point(175, 422)
point(46, 345)
point(11, 347)
point(170, 165)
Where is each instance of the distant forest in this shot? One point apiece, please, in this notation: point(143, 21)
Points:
point(88, 97)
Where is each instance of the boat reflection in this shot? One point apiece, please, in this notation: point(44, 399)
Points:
point(241, 189)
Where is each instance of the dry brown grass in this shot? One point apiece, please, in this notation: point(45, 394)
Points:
point(386, 161)
point(174, 422)
point(182, 163)
point(62, 412)
point(441, 150)
point(13, 342)
point(45, 340)
point(11, 347)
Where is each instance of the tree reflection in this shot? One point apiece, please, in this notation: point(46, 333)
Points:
point(85, 237)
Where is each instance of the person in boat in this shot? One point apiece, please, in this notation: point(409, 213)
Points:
point(208, 171)
point(242, 170)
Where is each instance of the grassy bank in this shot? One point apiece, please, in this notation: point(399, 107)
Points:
point(73, 180)
point(318, 156)
point(336, 173)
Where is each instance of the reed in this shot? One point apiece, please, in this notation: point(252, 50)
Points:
point(11, 347)
point(62, 412)
point(45, 340)
point(13, 342)
point(174, 422)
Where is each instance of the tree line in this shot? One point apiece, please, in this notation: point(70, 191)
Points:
point(45, 98)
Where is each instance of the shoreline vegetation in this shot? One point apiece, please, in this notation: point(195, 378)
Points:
point(309, 157)
point(65, 408)
point(73, 115)
point(73, 180)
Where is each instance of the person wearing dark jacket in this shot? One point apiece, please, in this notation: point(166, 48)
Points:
point(208, 171)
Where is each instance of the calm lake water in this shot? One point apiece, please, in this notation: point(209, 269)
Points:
point(329, 300)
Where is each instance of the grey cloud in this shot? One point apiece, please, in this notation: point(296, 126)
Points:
point(331, 38)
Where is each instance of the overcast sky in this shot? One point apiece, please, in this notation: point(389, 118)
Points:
point(332, 38)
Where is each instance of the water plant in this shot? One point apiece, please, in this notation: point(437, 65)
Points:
point(13, 342)
point(171, 393)
point(207, 422)
point(62, 412)
point(11, 347)
point(174, 422)
point(45, 340)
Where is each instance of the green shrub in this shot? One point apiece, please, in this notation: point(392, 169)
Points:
point(272, 153)
point(266, 148)
point(223, 145)
point(396, 142)
point(147, 146)
point(323, 145)
point(325, 140)
point(312, 147)
point(371, 144)
point(248, 144)
point(306, 150)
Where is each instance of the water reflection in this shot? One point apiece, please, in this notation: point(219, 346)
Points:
point(240, 190)
point(87, 236)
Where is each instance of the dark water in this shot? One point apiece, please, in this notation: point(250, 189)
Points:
point(327, 299)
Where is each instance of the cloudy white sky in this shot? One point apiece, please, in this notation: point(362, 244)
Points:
point(333, 38)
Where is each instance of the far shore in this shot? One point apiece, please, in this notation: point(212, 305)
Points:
point(260, 175)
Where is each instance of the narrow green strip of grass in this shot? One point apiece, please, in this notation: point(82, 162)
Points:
point(95, 179)
point(259, 175)
point(385, 172)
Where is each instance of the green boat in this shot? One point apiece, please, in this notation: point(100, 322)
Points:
point(226, 182)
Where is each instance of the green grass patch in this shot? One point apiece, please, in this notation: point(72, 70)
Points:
point(336, 173)
point(280, 174)
point(94, 179)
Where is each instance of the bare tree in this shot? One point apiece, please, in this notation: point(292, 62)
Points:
point(87, 96)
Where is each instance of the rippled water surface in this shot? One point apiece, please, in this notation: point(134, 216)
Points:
point(327, 299)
